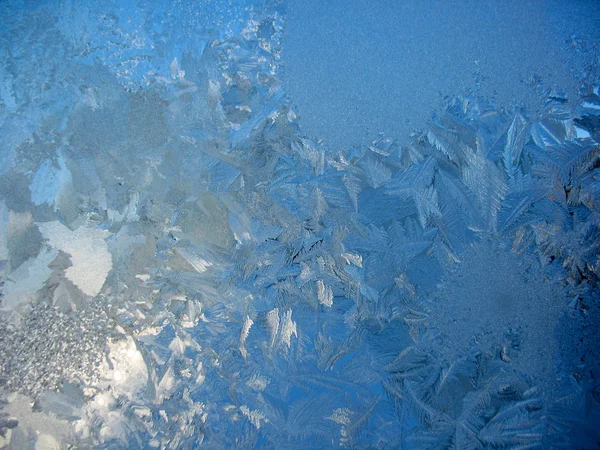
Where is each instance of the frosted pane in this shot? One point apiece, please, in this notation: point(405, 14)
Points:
point(217, 230)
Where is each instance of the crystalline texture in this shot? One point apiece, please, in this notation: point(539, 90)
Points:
point(182, 266)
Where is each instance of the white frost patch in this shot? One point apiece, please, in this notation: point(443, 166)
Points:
point(325, 294)
point(343, 417)
point(89, 254)
point(307, 274)
point(201, 377)
point(166, 385)
point(129, 374)
point(5, 440)
point(255, 417)
point(273, 324)
point(281, 328)
point(351, 258)
point(244, 334)
point(176, 72)
point(288, 327)
point(177, 346)
point(102, 406)
point(257, 383)
point(46, 442)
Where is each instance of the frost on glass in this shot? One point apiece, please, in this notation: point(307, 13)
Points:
point(180, 266)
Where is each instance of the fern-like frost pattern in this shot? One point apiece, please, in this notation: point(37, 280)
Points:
point(182, 267)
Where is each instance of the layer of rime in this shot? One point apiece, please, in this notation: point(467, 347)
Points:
point(181, 266)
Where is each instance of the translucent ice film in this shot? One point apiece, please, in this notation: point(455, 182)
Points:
point(286, 224)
